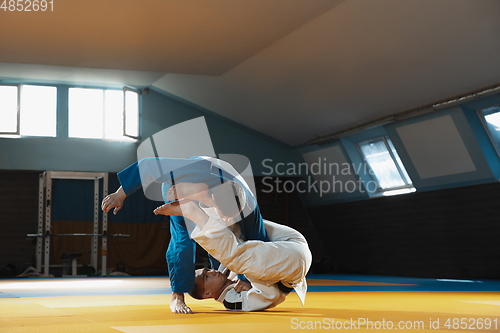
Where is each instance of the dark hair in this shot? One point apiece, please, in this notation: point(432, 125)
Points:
point(229, 198)
point(197, 292)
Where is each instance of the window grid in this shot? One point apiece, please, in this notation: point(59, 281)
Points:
point(111, 114)
point(32, 108)
point(492, 127)
point(113, 117)
point(404, 177)
point(131, 113)
point(391, 152)
point(4, 96)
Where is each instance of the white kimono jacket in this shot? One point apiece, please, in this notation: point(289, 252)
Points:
point(286, 259)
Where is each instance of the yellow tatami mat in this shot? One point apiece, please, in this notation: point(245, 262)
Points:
point(360, 311)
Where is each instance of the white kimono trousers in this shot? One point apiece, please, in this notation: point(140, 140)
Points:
point(285, 261)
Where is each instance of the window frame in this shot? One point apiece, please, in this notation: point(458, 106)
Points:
point(18, 124)
point(125, 89)
point(372, 173)
point(482, 117)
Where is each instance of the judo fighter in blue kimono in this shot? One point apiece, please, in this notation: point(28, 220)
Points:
point(201, 177)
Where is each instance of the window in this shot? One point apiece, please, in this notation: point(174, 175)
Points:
point(9, 116)
point(28, 110)
point(103, 114)
point(491, 120)
point(131, 114)
point(386, 166)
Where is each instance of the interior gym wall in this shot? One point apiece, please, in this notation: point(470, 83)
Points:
point(388, 219)
point(23, 159)
point(447, 229)
point(158, 112)
point(447, 233)
point(443, 149)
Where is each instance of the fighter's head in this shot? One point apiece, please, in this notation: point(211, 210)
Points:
point(208, 283)
point(229, 198)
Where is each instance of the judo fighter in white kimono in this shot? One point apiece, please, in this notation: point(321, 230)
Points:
point(273, 268)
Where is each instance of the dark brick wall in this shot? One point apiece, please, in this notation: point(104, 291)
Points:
point(18, 217)
point(451, 233)
point(286, 207)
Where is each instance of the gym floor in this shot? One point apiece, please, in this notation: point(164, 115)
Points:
point(342, 303)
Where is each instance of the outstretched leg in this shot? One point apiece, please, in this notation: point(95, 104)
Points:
point(180, 259)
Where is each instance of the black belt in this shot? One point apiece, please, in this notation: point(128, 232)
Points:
point(284, 288)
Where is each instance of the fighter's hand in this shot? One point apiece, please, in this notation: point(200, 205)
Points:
point(242, 286)
point(177, 304)
point(114, 200)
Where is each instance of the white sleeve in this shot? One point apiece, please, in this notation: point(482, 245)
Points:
point(259, 297)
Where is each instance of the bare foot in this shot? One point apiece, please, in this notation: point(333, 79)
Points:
point(177, 304)
point(177, 208)
point(196, 192)
point(186, 208)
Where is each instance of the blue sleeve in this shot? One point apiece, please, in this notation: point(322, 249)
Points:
point(161, 170)
point(129, 179)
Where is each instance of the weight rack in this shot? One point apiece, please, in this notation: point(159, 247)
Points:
point(45, 218)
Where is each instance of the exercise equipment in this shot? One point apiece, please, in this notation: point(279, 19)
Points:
point(44, 233)
point(69, 261)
